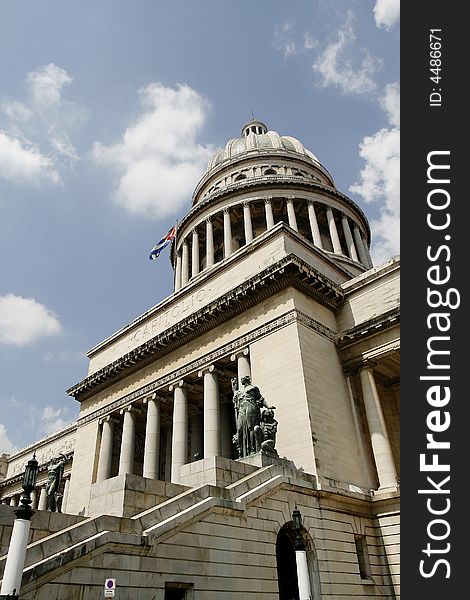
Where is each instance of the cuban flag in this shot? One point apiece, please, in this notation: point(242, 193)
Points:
point(163, 243)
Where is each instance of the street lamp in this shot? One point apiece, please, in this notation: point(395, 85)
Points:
point(303, 578)
point(19, 536)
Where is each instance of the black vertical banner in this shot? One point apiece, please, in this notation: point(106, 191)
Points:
point(435, 246)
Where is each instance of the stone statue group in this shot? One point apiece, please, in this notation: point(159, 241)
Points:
point(255, 422)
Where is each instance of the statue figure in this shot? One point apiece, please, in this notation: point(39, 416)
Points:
point(248, 403)
point(55, 471)
point(268, 430)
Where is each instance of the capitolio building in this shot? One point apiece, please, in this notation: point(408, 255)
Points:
point(240, 439)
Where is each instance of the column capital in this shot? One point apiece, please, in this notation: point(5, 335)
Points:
point(243, 352)
point(108, 419)
point(268, 200)
point(153, 396)
point(290, 199)
point(180, 383)
point(367, 365)
point(350, 370)
point(130, 409)
point(208, 369)
point(311, 202)
point(209, 219)
point(226, 210)
point(194, 231)
point(185, 242)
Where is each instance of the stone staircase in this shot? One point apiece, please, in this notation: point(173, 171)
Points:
point(62, 551)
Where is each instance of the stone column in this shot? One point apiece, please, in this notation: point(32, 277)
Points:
point(312, 217)
point(179, 444)
point(195, 253)
point(333, 231)
point(243, 364)
point(209, 243)
point(360, 246)
point(291, 214)
point(106, 449)
point(196, 425)
point(349, 238)
point(185, 264)
point(14, 501)
point(211, 412)
point(268, 209)
point(227, 233)
point(152, 438)
point(247, 222)
point(178, 272)
point(34, 499)
point(126, 459)
point(15, 561)
point(303, 578)
point(381, 447)
point(66, 494)
point(42, 504)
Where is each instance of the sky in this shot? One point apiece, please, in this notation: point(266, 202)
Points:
point(109, 113)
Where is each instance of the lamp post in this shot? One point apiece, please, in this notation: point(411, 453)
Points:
point(303, 579)
point(13, 573)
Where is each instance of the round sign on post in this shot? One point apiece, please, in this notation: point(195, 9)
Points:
point(109, 588)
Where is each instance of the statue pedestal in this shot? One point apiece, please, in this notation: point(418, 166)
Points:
point(263, 459)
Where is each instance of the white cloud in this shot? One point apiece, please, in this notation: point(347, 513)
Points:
point(24, 164)
point(284, 40)
point(6, 445)
point(54, 419)
point(158, 160)
point(24, 320)
point(336, 66)
point(46, 84)
point(380, 178)
point(34, 134)
point(387, 13)
point(390, 103)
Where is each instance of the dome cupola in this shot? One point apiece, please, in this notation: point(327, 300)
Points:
point(252, 184)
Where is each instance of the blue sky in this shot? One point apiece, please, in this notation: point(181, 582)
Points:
point(109, 112)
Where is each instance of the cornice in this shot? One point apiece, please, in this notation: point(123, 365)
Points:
point(370, 327)
point(289, 271)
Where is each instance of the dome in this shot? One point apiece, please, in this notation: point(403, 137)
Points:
point(257, 138)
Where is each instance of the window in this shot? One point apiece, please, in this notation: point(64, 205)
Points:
point(178, 591)
point(362, 556)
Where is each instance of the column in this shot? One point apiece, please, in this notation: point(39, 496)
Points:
point(291, 214)
point(66, 494)
point(357, 428)
point(152, 438)
point(243, 364)
point(369, 259)
point(381, 447)
point(195, 253)
point(226, 432)
point(268, 209)
point(179, 444)
point(106, 449)
point(227, 233)
point(42, 504)
point(333, 231)
point(360, 246)
point(126, 460)
point(211, 414)
point(178, 272)
point(13, 501)
point(349, 238)
point(34, 499)
point(196, 426)
point(185, 263)
point(312, 217)
point(209, 243)
point(247, 222)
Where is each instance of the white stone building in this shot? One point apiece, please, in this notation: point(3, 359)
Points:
point(273, 279)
